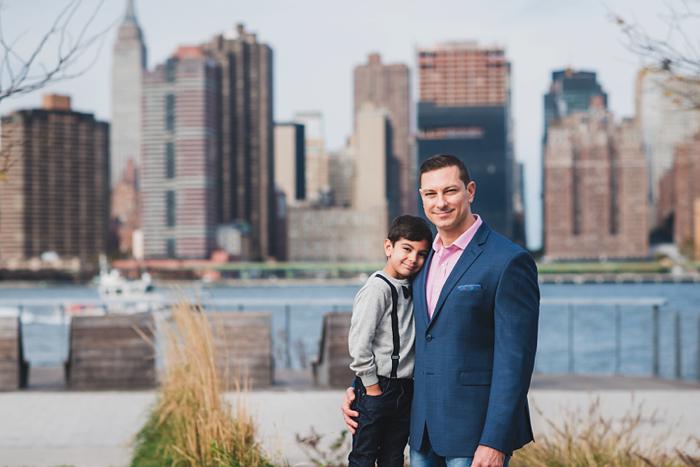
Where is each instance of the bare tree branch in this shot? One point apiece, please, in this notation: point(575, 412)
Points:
point(678, 51)
point(6, 160)
point(24, 74)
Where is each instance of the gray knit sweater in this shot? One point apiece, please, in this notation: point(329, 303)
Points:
point(370, 339)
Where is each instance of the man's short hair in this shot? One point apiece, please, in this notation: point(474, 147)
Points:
point(440, 161)
point(411, 228)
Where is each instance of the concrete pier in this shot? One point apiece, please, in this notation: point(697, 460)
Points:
point(50, 427)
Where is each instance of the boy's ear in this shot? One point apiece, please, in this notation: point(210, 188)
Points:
point(388, 247)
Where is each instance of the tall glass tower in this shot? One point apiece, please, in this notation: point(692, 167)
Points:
point(464, 110)
point(571, 91)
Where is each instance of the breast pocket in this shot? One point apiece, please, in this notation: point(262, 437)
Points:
point(470, 297)
point(473, 289)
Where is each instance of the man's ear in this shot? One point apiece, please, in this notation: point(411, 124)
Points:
point(471, 190)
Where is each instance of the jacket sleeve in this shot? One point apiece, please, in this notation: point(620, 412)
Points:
point(516, 314)
point(367, 310)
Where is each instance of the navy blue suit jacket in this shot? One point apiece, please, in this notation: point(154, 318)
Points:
point(474, 358)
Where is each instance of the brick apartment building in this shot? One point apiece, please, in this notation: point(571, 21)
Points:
point(596, 199)
point(56, 194)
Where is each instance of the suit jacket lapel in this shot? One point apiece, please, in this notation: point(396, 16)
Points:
point(467, 258)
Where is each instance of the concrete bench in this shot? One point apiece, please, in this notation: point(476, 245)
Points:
point(111, 352)
point(332, 366)
point(243, 348)
point(14, 370)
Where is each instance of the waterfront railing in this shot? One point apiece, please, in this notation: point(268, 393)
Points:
point(616, 336)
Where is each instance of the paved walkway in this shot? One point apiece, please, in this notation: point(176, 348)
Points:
point(93, 429)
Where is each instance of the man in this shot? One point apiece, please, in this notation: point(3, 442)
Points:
point(476, 307)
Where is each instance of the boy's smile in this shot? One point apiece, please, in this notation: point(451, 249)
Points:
point(405, 257)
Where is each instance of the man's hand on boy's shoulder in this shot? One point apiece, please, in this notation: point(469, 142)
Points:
point(349, 415)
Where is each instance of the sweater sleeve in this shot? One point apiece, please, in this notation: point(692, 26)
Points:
point(369, 306)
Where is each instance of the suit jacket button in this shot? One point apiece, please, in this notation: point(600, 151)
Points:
point(428, 337)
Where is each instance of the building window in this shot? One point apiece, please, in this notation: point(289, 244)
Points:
point(170, 208)
point(170, 248)
point(169, 160)
point(576, 205)
point(614, 189)
point(170, 112)
point(170, 70)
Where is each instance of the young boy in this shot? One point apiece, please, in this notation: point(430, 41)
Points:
point(381, 344)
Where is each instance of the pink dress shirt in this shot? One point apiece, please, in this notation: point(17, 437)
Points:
point(443, 262)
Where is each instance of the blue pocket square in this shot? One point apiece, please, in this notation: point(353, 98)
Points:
point(470, 288)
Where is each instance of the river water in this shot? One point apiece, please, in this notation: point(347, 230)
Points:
point(574, 337)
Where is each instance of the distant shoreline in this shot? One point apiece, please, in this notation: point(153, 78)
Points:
point(544, 278)
point(619, 278)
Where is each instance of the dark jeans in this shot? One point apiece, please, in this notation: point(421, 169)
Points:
point(383, 424)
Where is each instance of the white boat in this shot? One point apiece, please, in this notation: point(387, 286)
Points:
point(112, 285)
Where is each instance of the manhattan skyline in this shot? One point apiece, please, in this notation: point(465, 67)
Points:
point(317, 45)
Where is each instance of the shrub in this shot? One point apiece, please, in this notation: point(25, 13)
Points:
point(320, 455)
point(191, 424)
point(590, 438)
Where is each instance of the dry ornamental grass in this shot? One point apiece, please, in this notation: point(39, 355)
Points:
point(582, 439)
point(191, 424)
point(590, 439)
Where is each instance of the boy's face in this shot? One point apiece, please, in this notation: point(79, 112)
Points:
point(405, 257)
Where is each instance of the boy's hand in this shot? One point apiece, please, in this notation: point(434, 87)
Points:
point(374, 390)
point(349, 414)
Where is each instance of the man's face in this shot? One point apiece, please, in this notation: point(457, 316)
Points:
point(446, 201)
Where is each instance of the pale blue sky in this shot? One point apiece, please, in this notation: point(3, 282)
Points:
point(318, 42)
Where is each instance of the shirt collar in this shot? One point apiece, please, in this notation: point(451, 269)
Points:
point(463, 240)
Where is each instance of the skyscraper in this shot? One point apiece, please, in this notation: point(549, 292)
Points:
point(595, 205)
point(570, 91)
point(464, 110)
point(316, 157)
point(128, 66)
point(665, 120)
point(376, 174)
point(181, 156)
point(246, 170)
point(289, 161)
point(388, 86)
point(686, 194)
point(56, 195)
point(341, 171)
point(355, 228)
point(126, 210)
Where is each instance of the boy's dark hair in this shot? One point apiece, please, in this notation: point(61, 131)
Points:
point(440, 161)
point(411, 228)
